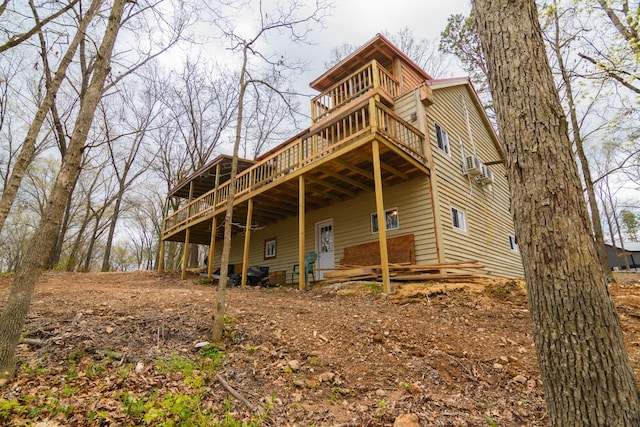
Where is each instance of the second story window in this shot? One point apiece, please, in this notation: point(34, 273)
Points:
point(457, 219)
point(443, 139)
point(513, 243)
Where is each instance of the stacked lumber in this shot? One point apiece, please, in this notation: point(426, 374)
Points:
point(455, 270)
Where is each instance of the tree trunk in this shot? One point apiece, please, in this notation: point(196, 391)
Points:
point(218, 319)
point(577, 140)
point(28, 146)
point(586, 372)
point(15, 311)
point(106, 265)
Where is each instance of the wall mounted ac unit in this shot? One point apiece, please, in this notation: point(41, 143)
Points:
point(472, 166)
point(486, 177)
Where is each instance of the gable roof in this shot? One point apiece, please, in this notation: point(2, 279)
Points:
point(628, 246)
point(436, 84)
point(378, 48)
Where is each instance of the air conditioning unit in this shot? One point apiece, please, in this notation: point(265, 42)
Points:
point(472, 166)
point(486, 176)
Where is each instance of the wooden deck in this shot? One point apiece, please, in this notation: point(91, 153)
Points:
point(333, 155)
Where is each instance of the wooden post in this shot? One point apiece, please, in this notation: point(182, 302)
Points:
point(434, 194)
point(382, 225)
point(247, 240)
point(161, 256)
point(301, 235)
point(214, 225)
point(212, 246)
point(373, 117)
point(164, 224)
point(185, 253)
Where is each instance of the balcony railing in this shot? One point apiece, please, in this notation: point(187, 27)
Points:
point(336, 134)
point(370, 76)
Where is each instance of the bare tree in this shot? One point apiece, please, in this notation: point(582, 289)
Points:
point(294, 20)
point(617, 56)
point(135, 118)
point(576, 328)
point(28, 146)
point(15, 310)
point(16, 36)
point(560, 44)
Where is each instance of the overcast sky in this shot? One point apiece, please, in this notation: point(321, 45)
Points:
point(350, 21)
point(357, 21)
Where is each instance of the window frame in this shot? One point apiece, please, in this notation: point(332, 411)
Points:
point(270, 248)
point(513, 243)
point(442, 139)
point(388, 213)
point(460, 217)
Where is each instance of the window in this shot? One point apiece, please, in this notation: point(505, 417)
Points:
point(391, 220)
point(443, 139)
point(513, 243)
point(457, 219)
point(270, 248)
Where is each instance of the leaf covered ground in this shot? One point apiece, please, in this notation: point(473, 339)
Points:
point(120, 349)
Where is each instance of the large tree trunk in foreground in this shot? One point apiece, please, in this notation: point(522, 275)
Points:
point(15, 311)
point(586, 372)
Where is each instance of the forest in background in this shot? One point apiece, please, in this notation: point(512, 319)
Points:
point(168, 108)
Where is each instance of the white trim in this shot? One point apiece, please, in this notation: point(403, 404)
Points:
point(513, 243)
point(392, 220)
point(446, 148)
point(458, 216)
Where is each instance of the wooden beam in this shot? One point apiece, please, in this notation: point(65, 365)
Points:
point(346, 179)
point(212, 246)
point(400, 152)
point(161, 256)
point(214, 226)
point(382, 226)
point(331, 186)
point(387, 168)
point(354, 168)
point(301, 229)
point(434, 192)
point(185, 253)
point(247, 241)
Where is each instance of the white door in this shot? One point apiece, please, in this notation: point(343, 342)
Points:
point(324, 247)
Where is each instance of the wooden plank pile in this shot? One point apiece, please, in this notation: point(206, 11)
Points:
point(455, 270)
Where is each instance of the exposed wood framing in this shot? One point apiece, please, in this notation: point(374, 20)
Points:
point(301, 231)
point(382, 226)
point(247, 242)
point(185, 253)
point(212, 247)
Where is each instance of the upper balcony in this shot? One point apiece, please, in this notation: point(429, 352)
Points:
point(371, 77)
point(333, 155)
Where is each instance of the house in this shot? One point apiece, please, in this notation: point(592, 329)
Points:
point(396, 166)
point(623, 260)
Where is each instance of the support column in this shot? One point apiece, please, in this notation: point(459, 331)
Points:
point(247, 241)
point(212, 246)
point(165, 211)
point(185, 253)
point(161, 256)
point(382, 226)
point(214, 225)
point(301, 235)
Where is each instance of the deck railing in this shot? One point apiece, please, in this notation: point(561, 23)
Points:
point(370, 76)
point(304, 152)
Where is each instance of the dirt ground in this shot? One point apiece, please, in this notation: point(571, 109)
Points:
point(452, 354)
